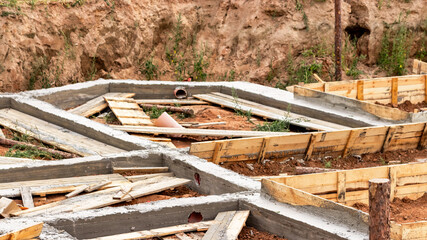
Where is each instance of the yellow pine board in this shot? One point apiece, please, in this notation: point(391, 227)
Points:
point(135, 121)
point(29, 232)
point(128, 111)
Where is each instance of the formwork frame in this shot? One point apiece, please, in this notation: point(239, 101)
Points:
point(341, 189)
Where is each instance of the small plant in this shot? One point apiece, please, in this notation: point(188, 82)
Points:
point(149, 69)
point(382, 161)
point(395, 47)
point(91, 74)
point(154, 112)
point(300, 7)
point(183, 115)
point(39, 73)
point(275, 126)
point(199, 66)
point(23, 151)
point(110, 118)
point(328, 164)
point(272, 73)
point(351, 59)
point(238, 109)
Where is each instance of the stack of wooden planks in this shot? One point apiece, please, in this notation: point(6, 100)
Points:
point(336, 143)
point(227, 225)
point(100, 190)
point(128, 112)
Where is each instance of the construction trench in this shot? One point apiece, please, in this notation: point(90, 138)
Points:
point(219, 189)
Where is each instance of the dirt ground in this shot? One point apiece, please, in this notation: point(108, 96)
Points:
point(404, 210)
point(407, 106)
point(275, 167)
point(250, 233)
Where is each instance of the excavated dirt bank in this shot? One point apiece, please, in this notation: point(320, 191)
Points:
point(57, 43)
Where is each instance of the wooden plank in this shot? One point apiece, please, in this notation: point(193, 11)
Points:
point(136, 178)
point(97, 104)
point(228, 225)
point(170, 101)
point(54, 135)
point(128, 112)
point(7, 207)
point(394, 90)
point(425, 88)
point(183, 236)
point(96, 186)
point(141, 169)
point(317, 78)
point(268, 112)
point(412, 231)
point(13, 160)
point(55, 186)
point(360, 90)
point(29, 232)
point(77, 191)
point(196, 132)
point(123, 191)
point(392, 175)
point(160, 232)
point(27, 198)
point(2, 134)
point(236, 225)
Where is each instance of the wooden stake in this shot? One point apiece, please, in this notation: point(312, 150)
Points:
point(394, 91)
point(423, 140)
point(360, 90)
point(263, 150)
point(216, 158)
point(379, 209)
point(310, 146)
point(317, 78)
point(390, 134)
point(350, 141)
point(341, 188)
point(392, 175)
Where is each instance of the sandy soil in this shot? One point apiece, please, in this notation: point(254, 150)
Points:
point(275, 167)
point(404, 210)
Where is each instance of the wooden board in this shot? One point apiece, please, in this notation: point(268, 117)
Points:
point(58, 185)
point(160, 232)
point(128, 112)
point(382, 90)
point(268, 112)
point(227, 225)
point(13, 160)
point(97, 104)
point(195, 132)
point(419, 67)
point(170, 102)
point(364, 140)
point(27, 198)
point(146, 170)
point(29, 232)
point(54, 135)
point(104, 198)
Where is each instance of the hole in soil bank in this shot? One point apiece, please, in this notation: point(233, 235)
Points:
point(356, 32)
point(197, 179)
point(195, 217)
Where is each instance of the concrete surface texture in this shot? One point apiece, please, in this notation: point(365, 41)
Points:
point(223, 189)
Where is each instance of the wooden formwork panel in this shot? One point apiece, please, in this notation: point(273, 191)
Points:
point(342, 189)
point(334, 143)
point(412, 88)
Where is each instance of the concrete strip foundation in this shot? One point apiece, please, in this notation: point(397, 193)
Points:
point(225, 190)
